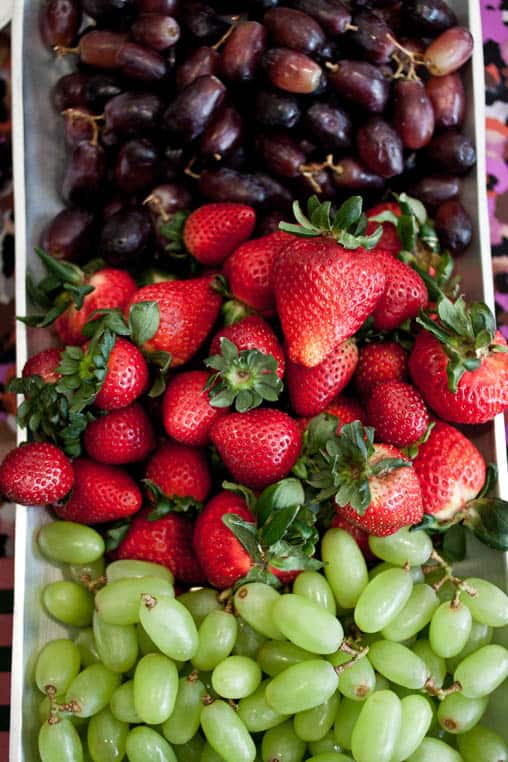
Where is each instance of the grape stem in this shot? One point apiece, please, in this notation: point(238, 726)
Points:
point(61, 50)
point(350, 28)
point(310, 170)
point(74, 114)
point(441, 693)
point(155, 204)
point(408, 60)
point(189, 171)
point(93, 585)
point(346, 648)
point(449, 576)
point(149, 601)
point(217, 45)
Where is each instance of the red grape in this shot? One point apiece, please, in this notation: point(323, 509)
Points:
point(100, 48)
point(274, 109)
point(413, 114)
point(360, 83)
point(451, 152)
point(289, 28)
point(281, 154)
point(331, 126)
point(69, 91)
point(373, 37)
point(222, 135)
point(140, 63)
point(83, 181)
point(449, 51)
point(166, 7)
point(99, 89)
point(448, 100)
point(352, 176)
point(277, 195)
point(110, 13)
point(70, 235)
point(229, 185)
point(380, 148)
point(155, 31)
point(199, 63)
point(165, 200)
point(454, 226)
point(194, 108)
point(126, 238)
point(79, 126)
point(202, 22)
point(137, 166)
point(333, 15)
point(435, 189)
point(242, 52)
point(292, 71)
point(59, 22)
point(132, 114)
point(429, 17)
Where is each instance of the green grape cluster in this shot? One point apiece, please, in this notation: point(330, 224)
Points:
point(383, 666)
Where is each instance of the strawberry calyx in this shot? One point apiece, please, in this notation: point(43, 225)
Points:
point(172, 230)
point(232, 309)
point(467, 335)
point(414, 227)
point(164, 504)
point(246, 378)
point(320, 430)
point(347, 225)
point(116, 534)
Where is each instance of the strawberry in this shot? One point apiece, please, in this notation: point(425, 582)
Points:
point(36, 473)
point(259, 447)
point(374, 485)
point(166, 541)
point(187, 414)
point(126, 378)
point(378, 362)
point(188, 310)
point(405, 294)
point(249, 271)
point(44, 364)
point(312, 389)
point(252, 332)
point(121, 436)
point(346, 409)
point(324, 292)
point(398, 413)
point(389, 241)
point(359, 536)
point(460, 363)
point(213, 231)
point(101, 493)
point(177, 472)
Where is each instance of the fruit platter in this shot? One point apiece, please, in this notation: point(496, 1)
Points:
point(261, 475)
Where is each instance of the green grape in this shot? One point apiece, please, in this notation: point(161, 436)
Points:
point(155, 688)
point(85, 573)
point(68, 602)
point(313, 586)
point(85, 641)
point(302, 686)
point(415, 572)
point(275, 656)
point(398, 664)
point(190, 751)
point(146, 745)
point(92, 689)
point(57, 665)
point(255, 712)
point(45, 710)
point(307, 624)
point(133, 568)
point(480, 635)
point(117, 644)
point(482, 744)
point(490, 606)
point(59, 742)
point(145, 642)
point(217, 636)
point(383, 598)
point(209, 755)
point(170, 626)
point(457, 714)
point(226, 733)
point(415, 615)
point(282, 743)
point(330, 757)
point(345, 567)
point(201, 602)
point(483, 671)
point(416, 720)
point(45, 707)
point(314, 724)
point(122, 704)
point(183, 722)
point(236, 677)
point(106, 737)
point(382, 684)
point(377, 729)
point(70, 543)
point(357, 681)
point(254, 602)
point(405, 546)
point(345, 721)
point(450, 628)
point(436, 665)
point(119, 601)
point(325, 745)
point(248, 641)
point(434, 750)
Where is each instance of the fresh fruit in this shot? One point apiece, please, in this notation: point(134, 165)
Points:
point(36, 473)
point(346, 409)
point(187, 414)
point(213, 231)
point(378, 362)
point(120, 436)
point(404, 295)
point(126, 378)
point(398, 413)
point(359, 536)
point(389, 241)
point(175, 472)
point(252, 332)
point(44, 364)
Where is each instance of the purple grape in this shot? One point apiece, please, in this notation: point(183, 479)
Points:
point(451, 152)
point(330, 125)
point(83, 182)
point(281, 154)
point(110, 13)
point(202, 22)
point(454, 226)
point(126, 238)
point(332, 15)
point(229, 185)
point(373, 37)
point(243, 50)
point(360, 83)
point(448, 100)
point(137, 166)
point(222, 135)
point(69, 91)
point(199, 63)
point(70, 235)
point(164, 200)
point(380, 148)
point(156, 31)
point(428, 17)
point(292, 71)
point(274, 109)
point(290, 28)
point(435, 190)
point(132, 114)
point(413, 114)
point(353, 176)
point(166, 7)
point(59, 22)
point(193, 109)
point(141, 64)
point(99, 89)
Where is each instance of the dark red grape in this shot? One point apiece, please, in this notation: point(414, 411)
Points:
point(137, 166)
point(454, 226)
point(165, 200)
point(59, 22)
point(435, 189)
point(413, 114)
point(448, 52)
point(451, 152)
point(166, 7)
point(100, 48)
point(69, 91)
point(373, 37)
point(281, 154)
point(83, 181)
point(80, 125)
point(292, 71)
point(229, 185)
point(132, 114)
point(70, 235)
point(126, 238)
point(331, 126)
point(448, 100)
point(260, 6)
point(275, 109)
point(277, 196)
point(290, 28)
point(194, 108)
point(202, 22)
point(360, 83)
point(99, 89)
point(110, 13)
point(380, 148)
point(352, 176)
point(243, 50)
point(113, 205)
point(199, 63)
point(141, 64)
point(222, 135)
point(155, 31)
point(428, 17)
point(269, 223)
point(317, 179)
point(174, 162)
point(333, 15)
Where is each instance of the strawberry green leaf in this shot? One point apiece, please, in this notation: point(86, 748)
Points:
point(385, 216)
point(412, 206)
point(144, 319)
point(165, 504)
point(454, 544)
point(286, 493)
point(386, 465)
point(163, 361)
point(258, 574)
point(288, 558)
point(61, 270)
point(101, 320)
point(487, 518)
point(491, 478)
point(245, 533)
point(348, 213)
point(116, 534)
point(172, 230)
point(239, 489)
point(277, 524)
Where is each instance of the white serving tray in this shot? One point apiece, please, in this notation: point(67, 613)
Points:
point(39, 156)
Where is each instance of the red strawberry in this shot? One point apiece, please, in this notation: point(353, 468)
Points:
point(249, 270)
point(405, 294)
point(259, 447)
point(389, 241)
point(251, 332)
point(312, 389)
point(451, 471)
point(179, 471)
point(166, 541)
point(101, 493)
point(44, 364)
point(121, 436)
point(222, 556)
point(213, 231)
point(188, 310)
point(398, 413)
point(187, 414)
point(361, 538)
point(378, 362)
point(126, 378)
point(346, 409)
point(37, 473)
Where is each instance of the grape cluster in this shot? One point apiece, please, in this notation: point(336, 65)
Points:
point(382, 666)
point(176, 103)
